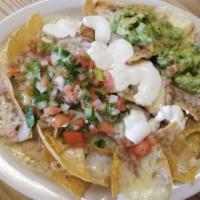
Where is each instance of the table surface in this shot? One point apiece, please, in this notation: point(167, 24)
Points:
point(9, 6)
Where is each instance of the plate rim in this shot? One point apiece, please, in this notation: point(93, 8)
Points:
point(7, 162)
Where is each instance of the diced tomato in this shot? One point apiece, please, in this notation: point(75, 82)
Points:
point(69, 93)
point(51, 110)
point(120, 104)
point(95, 82)
point(44, 80)
point(76, 58)
point(33, 49)
point(85, 62)
point(93, 96)
point(81, 77)
point(142, 149)
point(14, 69)
point(61, 120)
point(108, 81)
point(106, 127)
point(93, 129)
point(78, 122)
point(74, 138)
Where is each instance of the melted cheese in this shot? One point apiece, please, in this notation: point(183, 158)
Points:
point(62, 28)
point(153, 180)
point(171, 113)
point(101, 27)
point(99, 165)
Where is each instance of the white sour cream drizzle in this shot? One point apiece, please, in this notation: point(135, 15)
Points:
point(137, 126)
point(101, 27)
point(62, 28)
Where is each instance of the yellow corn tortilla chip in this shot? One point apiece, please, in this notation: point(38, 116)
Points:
point(179, 155)
point(89, 8)
point(16, 43)
point(71, 159)
point(193, 142)
point(113, 6)
point(192, 127)
point(37, 157)
point(35, 23)
point(23, 36)
point(75, 185)
point(152, 174)
point(115, 188)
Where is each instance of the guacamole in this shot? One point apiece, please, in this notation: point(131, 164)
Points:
point(175, 58)
point(186, 59)
point(143, 28)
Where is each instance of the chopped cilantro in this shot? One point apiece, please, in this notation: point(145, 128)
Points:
point(85, 83)
point(100, 143)
point(71, 127)
point(85, 129)
point(86, 97)
point(68, 81)
point(34, 67)
point(30, 118)
point(40, 97)
point(89, 113)
point(108, 109)
point(42, 47)
point(62, 53)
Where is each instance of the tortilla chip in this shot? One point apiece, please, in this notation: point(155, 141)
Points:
point(152, 173)
point(192, 127)
point(88, 33)
point(34, 155)
point(181, 161)
point(75, 185)
point(115, 187)
point(113, 6)
point(89, 8)
point(193, 142)
point(16, 43)
point(139, 53)
point(71, 159)
point(35, 23)
point(23, 36)
point(180, 157)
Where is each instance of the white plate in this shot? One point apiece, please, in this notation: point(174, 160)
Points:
point(30, 183)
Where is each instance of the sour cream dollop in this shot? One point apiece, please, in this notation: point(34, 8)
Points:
point(101, 27)
point(144, 74)
point(171, 113)
point(99, 53)
point(62, 28)
point(137, 126)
